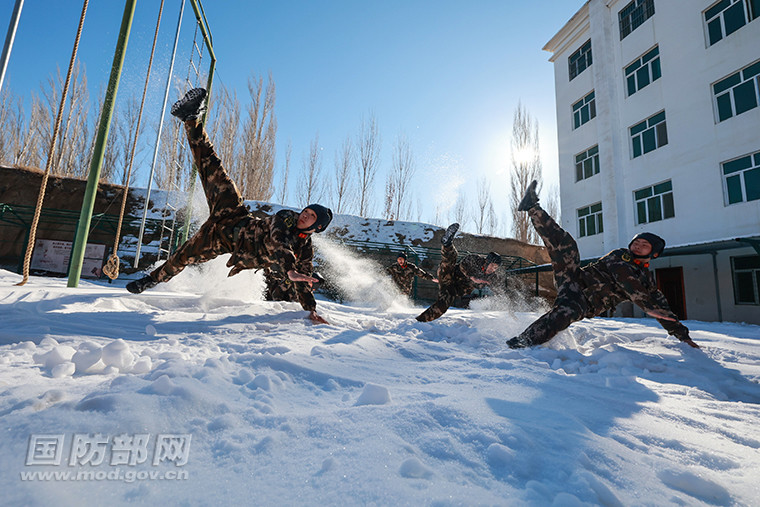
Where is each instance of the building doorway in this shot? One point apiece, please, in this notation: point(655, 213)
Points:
point(670, 283)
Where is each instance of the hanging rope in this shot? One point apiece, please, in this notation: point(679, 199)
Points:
point(111, 267)
point(56, 129)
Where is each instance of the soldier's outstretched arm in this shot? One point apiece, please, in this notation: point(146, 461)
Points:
point(295, 276)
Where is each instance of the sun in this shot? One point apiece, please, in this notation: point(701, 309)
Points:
point(524, 155)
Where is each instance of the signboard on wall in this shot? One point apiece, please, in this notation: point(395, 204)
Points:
point(53, 256)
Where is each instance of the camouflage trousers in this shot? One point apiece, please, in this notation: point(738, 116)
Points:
point(279, 288)
point(226, 210)
point(452, 283)
point(570, 305)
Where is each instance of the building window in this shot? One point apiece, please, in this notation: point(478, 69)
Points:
point(649, 135)
point(654, 203)
point(587, 163)
point(727, 16)
point(746, 274)
point(580, 60)
point(643, 71)
point(590, 220)
point(633, 16)
point(738, 92)
point(741, 179)
point(584, 110)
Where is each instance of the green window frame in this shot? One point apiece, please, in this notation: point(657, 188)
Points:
point(633, 16)
point(590, 220)
point(580, 60)
point(587, 163)
point(654, 203)
point(727, 16)
point(745, 272)
point(737, 93)
point(643, 71)
point(584, 110)
point(741, 179)
point(649, 135)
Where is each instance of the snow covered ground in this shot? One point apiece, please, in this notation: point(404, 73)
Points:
point(198, 392)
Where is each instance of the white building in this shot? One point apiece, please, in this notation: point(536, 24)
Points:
point(658, 123)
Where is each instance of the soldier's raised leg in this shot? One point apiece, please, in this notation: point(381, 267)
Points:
point(446, 277)
point(221, 192)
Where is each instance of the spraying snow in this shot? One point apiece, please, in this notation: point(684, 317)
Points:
point(360, 280)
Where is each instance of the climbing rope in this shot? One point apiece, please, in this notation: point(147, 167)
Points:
point(56, 129)
point(111, 267)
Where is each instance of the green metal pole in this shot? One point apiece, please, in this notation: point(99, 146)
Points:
point(80, 241)
point(210, 46)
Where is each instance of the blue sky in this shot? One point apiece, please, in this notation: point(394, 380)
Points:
point(446, 74)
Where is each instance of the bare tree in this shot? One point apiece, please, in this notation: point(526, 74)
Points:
point(258, 143)
point(401, 176)
point(552, 203)
point(126, 139)
point(344, 163)
point(526, 167)
point(311, 185)
point(112, 152)
point(388, 198)
point(173, 167)
point(17, 139)
point(493, 220)
point(459, 212)
point(484, 200)
point(5, 115)
point(224, 123)
point(283, 192)
point(73, 138)
point(369, 158)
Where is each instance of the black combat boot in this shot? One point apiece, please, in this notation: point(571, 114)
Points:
point(530, 198)
point(191, 106)
point(448, 236)
point(144, 283)
point(516, 343)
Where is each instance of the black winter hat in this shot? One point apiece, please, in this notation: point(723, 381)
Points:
point(401, 254)
point(493, 258)
point(658, 244)
point(324, 217)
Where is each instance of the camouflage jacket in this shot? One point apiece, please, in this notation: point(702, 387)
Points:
point(404, 275)
point(474, 266)
point(616, 278)
point(274, 242)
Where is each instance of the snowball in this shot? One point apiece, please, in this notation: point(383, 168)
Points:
point(63, 370)
point(243, 377)
point(48, 342)
point(499, 455)
point(263, 382)
point(59, 354)
point(163, 385)
point(118, 355)
point(150, 330)
point(142, 365)
point(327, 465)
point(374, 395)
point(88, 354)
point(414, 469)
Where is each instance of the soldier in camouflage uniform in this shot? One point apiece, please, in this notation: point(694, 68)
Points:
point(403, 272)
point(281, 241)
point(281, 288)
point(457, 279)
point(585, 292)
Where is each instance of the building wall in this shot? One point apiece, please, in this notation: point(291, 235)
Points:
point(697, 142)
